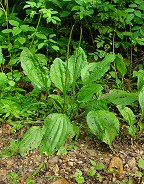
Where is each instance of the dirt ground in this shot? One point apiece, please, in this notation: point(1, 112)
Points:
point(120, 165)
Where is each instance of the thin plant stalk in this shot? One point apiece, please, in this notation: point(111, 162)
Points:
point(66, 76)
point(35, 31)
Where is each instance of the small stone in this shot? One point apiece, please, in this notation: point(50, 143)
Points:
point(53, 160)
point(80, 162)
point(68, 169)
point(71, 164)
point(60, 161)
point(92, 152)
point(116, 164)
point(56, 169)
point(134, 169)
point(47, 173)
point(85, 169)
point(61, 181)
point(132, 163)
point(114, 179)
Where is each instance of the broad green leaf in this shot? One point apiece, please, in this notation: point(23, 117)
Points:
point(120, 97)
point(97, 105)
point(58, 128)
point(77, 62)
point(142, 31)
point(132, 130)
point(141, 163)
point(34, 66)
point(129, 10)
point(16, 31)
point(127, 33)
point(141, 100)
point(31, 139)
point(127, 114)
point(141, 6)
point(140, 82)
point(88, 91)
point(14, 23)
point(94, 71)
point(64, 14)
point(41, 36)
point(129, 18)
point(104, 125)
point(100, 167)
point(60, 75)
point(41, 45)
point(120, 35)
point(138, 13)
point(5, 31)
point(135, 35)
point(55, 47)
point(1, 12)
point(133, 5)
point(120, 64)
point(3, 78)
point(24, 28)
point(92, 171)
point(21, 40)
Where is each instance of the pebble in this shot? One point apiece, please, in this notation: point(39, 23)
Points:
point(80, 162)
point(132, 163)
point(134, 169)
point(53, 160)
point(71, 164)
point(61, 181)
point(60, 161)
point(85, 169)
point(56, 170)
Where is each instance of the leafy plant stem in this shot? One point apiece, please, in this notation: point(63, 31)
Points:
point(74, 77)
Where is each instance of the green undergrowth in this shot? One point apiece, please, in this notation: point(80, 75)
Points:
point(56, 83)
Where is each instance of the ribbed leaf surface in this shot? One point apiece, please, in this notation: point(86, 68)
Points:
point(58, 127)
point(104, 125)
point(34, 66)
point(31, 139)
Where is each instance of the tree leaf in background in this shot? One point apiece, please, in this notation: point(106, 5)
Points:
point(34, 66)
point(104, 125)
point(129, 18)
point(58, 128)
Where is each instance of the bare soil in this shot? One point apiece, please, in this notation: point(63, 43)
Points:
point(121, 163)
